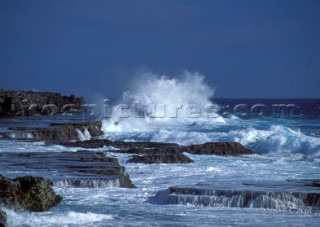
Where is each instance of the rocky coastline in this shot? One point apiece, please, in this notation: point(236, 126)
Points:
point(307, 196)
point(30, 103)
point(26, 193)
point(56, 132)
point(90, 168)
point(94, 163)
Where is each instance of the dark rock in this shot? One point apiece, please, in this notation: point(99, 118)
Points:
point(218, 148)
point(93, 143)
point(161, 158)
point(161, 150)
point(313, 183)
point(108, 166)
point(56, 132)
point(94, 127)
point(117, 144)
point(28, 103)
point(3, 218)
point(76, 169)
point(30, 193)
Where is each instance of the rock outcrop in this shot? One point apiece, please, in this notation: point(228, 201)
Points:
point(218, 148)
point(29, 193)
point(99, 143)
point(56, 132)
point(165, 152)
point(71, 169)
point(297, 195)
point(28, 103)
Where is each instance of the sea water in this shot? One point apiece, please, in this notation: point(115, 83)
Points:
point(287, 143)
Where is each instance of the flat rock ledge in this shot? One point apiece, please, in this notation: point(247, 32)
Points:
point(56, 132)
point(83, 168)
point(100, 143)
point(219, 148)
point(152, 148)
point(297, 196)
point(29, 193)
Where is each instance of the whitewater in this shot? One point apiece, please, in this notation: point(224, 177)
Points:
point(183, 110)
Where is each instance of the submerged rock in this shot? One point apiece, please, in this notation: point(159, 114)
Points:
point(30, 193)
point(3, 218)
point(161, 158)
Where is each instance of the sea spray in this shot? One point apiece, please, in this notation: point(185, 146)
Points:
point(162, 101)
point(156, 109)
point(278, 139)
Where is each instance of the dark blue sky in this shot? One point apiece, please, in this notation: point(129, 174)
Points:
point(248, 48)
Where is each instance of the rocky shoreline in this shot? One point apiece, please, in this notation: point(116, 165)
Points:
point(30, 103)
point(56, 132)
point(306, 194)
point(89, 168)
point(100, 169)
point(26, 193)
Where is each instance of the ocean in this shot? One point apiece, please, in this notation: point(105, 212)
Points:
point(284, 133)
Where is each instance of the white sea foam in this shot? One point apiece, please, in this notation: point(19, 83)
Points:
point(150, 124)
point(85, 135)
point(275, 139)
point(21, 135)
point(278, 139)
point(87, 183)
point(54, 219)
point(22, 146)
point(157, 101)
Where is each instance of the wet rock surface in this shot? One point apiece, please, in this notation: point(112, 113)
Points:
point(29, 103)
point(3, 218)
point(161, 158)
point(56, 132)
point(312, 183)
point(153, 152)
point(99, 143)
point(76, 169)
point(219, 148)
point(29, 193)
point(287, 195)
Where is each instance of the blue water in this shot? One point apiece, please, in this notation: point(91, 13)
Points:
point(289, 148)
point(284, 133)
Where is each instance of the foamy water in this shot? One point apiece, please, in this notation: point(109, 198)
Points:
point(289, 149)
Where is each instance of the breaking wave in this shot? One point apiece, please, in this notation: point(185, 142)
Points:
point(163, 109)
point(157, 101)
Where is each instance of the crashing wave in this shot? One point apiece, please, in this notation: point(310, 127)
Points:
point(162, 101)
